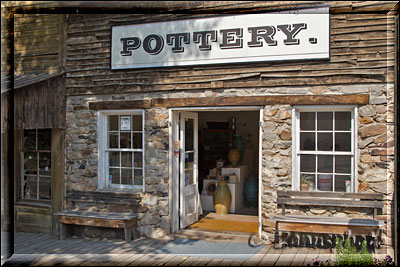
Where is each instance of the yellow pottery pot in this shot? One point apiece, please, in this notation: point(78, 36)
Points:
point(222, 198)
point(234, 156)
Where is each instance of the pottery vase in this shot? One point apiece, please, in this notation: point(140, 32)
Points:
point(250, 191)
point(222, 198)
point(304, 187)
point(234, 156)
point(238, 144)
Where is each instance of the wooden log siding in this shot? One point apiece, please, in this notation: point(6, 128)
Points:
point(354, 99)
point(362, 51)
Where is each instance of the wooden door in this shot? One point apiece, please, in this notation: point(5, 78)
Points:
point(189, 192)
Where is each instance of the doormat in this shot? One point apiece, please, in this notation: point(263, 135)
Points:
point(200, 248)
point(249, 227)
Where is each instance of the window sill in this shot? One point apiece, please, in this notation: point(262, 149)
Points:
point(120, 190)
point(32, 204)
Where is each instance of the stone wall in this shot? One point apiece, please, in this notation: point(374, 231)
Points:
point(375, 145)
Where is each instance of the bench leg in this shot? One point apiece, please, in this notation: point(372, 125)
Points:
point(128, 234)
point(62, 231)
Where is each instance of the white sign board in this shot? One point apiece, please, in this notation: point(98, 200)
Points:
point(293, 35)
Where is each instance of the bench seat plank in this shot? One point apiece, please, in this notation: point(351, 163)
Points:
point(328, 220)
point(329, 202)
point(99, 215)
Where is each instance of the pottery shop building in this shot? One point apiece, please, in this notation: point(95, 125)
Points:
point(154, 103)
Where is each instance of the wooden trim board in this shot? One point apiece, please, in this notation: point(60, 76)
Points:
point(351, 99)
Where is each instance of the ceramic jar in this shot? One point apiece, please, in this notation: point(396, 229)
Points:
point(234, 156)
point(251, 191)
point(238, 144)
point(222, 198)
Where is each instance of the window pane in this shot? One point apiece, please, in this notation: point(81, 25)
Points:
point(138, 160)
point(307, 120)
point(138, 176)
point(342, 141)
point(30, 162)
point(126, 159)
point(114, 159)
point(30, 187)
point(325, 163)
point(343, 164)
point(189, 128)
point(114, 173)
point(310, 178)
point(126, 176)
point(188, 177)
point(325, 182)
point(307, 163)
point(45, 163)
point(307, 141)
point(44, 139)
point(137, 123)
point(342, 183)
point(137, 140)
point(343, 121)
point(44, 188)
point(113, 140)
point(324, 121)
point(125, 139)
point(125, 123)
point(29, 139)
point(325, 142)
point(189, 160)
point(113, 123)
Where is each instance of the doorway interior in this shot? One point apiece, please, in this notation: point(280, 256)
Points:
point(202, 139)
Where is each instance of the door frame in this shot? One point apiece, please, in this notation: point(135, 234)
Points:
point(173, 195)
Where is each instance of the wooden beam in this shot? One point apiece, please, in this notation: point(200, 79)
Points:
point(352, 99)
point(355, 99)
point(125, 104)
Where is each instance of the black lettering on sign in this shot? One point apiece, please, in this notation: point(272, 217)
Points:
point(292, 32)
point(176, 39)
point(204, 38)
point(128, 44)
point(149, 47)
point(259, 33)
point(231, 38)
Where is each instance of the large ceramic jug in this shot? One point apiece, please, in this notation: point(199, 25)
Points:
point(250, 191)
point(222, 198)
point(238, 144)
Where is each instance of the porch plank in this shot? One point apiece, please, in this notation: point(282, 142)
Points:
point(300, 256)
point(203, 261)
point(271, 257)
point(146, 250)
point(214, 262)
point(32, 246)
point(312, 254)
point(287, 256)
point(189, 261)
point(256, 258)
point(174, 261)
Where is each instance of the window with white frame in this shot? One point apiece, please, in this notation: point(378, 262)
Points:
point(121, 149)
point(324, 148)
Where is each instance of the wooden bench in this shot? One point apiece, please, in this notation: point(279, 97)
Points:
point(122, 220)
point(328, 225)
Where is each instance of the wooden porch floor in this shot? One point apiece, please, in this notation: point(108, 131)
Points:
point(36, 249)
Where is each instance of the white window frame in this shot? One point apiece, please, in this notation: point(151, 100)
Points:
point(103, 160)
point(296, 141)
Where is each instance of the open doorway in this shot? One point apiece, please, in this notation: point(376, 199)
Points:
point(214, 133)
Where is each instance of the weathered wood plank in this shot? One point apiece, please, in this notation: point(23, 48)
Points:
point(256, 258)
point(287, 257)
point(261, 100)
point(300, 256)
point(328, 220)
point(326, 228)
point(126, 104)
point(340, 195)
point(329, 203)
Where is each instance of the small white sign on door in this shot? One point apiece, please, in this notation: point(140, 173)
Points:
point(125, 123)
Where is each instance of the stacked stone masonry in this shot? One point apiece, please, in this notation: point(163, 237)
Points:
point(375, 151)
